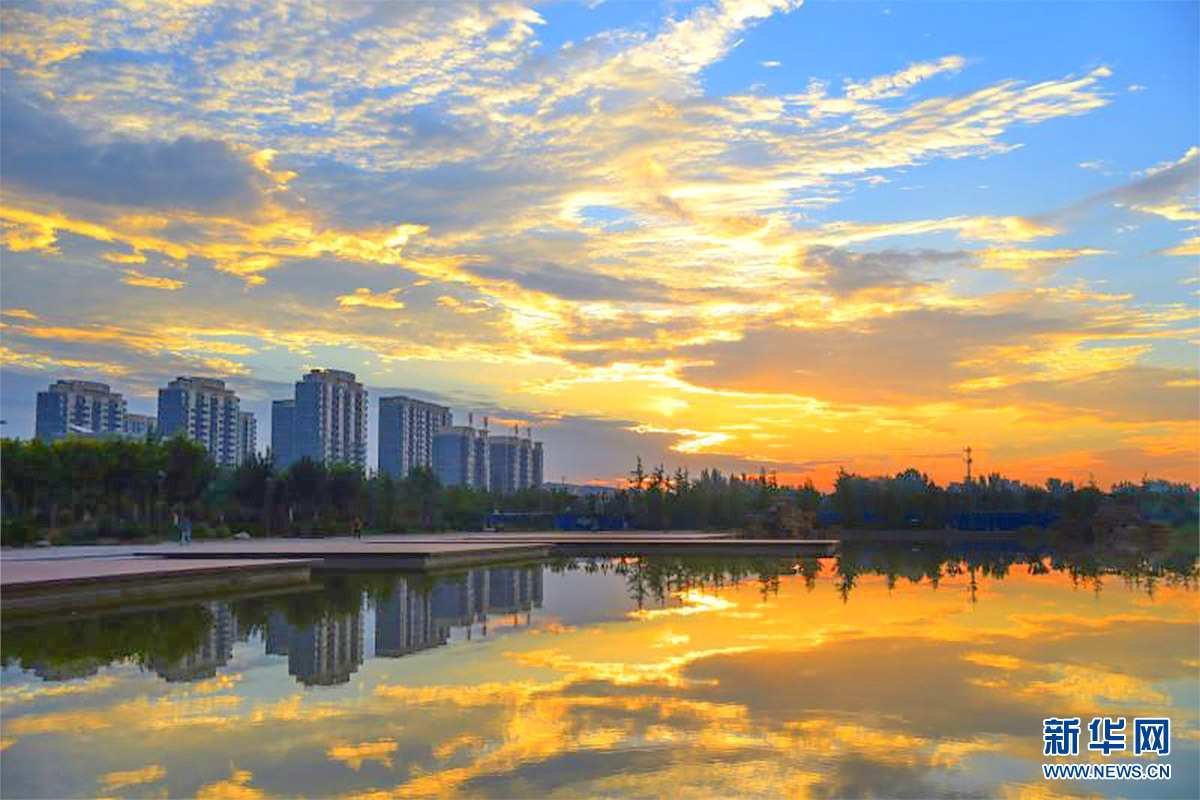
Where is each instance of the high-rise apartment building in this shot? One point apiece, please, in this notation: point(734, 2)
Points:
point(139, 426)
point(460, 456)
point(504, 463)
point(247, 434)
point(514, 462)
point(85, 408)
point(203, 410)
point(406, 429)
point(330, 419)
point(283, 433)
point(537, 465)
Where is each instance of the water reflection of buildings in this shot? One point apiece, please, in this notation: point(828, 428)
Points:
point(409, 620)
point(404, 621)
point(214, 650)
point(511, 591)
point(323, 653)
point(327, 652)
point(417, 614)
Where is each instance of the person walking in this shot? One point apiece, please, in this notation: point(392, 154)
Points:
point(356, 528)
point(185, 531)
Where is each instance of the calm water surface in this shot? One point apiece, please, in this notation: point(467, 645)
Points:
point(892, 673)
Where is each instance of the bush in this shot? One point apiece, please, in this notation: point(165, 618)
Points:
point(255, 529)
point(17, 531)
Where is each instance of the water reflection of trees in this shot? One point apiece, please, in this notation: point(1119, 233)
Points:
point(1087, 568)
point(654, 579)
point(194, 640)
point(74, 648)
point(319, 628)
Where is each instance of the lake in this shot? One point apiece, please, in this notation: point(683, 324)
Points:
point(887, 672)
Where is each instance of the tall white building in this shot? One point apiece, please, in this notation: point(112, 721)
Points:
point(406, 430)
point(139, 426)
point(247, 434)
point(85, 408)
point(330, 419)
point(203, 410)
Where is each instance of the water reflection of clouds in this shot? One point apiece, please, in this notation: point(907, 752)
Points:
point(899, 691)
point(692, 601)
point(30, 691)
point(353, 755)
point(235, 787)
point(120, 779)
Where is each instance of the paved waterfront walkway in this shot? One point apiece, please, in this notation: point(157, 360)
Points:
point(342, 551)
point(255, 548)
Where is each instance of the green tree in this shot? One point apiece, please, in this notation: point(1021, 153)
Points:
point(189, 470)
point(306, 486)
point(345, 490)
point(421, 491)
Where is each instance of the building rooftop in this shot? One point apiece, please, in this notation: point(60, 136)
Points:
point(81, 386)
point(400, 398)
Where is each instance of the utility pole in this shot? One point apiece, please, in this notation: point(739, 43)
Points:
point(969, 485)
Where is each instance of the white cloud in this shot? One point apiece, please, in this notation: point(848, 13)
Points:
point(897, 83)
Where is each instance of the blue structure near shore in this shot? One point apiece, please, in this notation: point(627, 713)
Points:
point(590, 522)
point(1000, 520)
point(548, 520)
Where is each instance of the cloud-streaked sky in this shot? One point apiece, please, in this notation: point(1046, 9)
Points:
point(732, 234)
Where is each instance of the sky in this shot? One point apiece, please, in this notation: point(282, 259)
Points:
point(745, 234)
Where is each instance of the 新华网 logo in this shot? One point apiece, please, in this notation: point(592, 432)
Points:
point(1107, 735)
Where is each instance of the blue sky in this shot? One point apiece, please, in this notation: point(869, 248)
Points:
point(738, 234)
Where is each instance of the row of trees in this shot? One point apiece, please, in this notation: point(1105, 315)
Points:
point(99, 488)
point(657, 499)
point(82, 489)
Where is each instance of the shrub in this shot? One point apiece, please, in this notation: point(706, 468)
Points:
point(17, 531)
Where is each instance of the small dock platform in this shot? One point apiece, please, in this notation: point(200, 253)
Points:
point(374, 553)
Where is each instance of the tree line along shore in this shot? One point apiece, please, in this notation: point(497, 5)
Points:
point(80, 490)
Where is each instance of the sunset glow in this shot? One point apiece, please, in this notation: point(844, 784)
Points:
point(743, 234)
